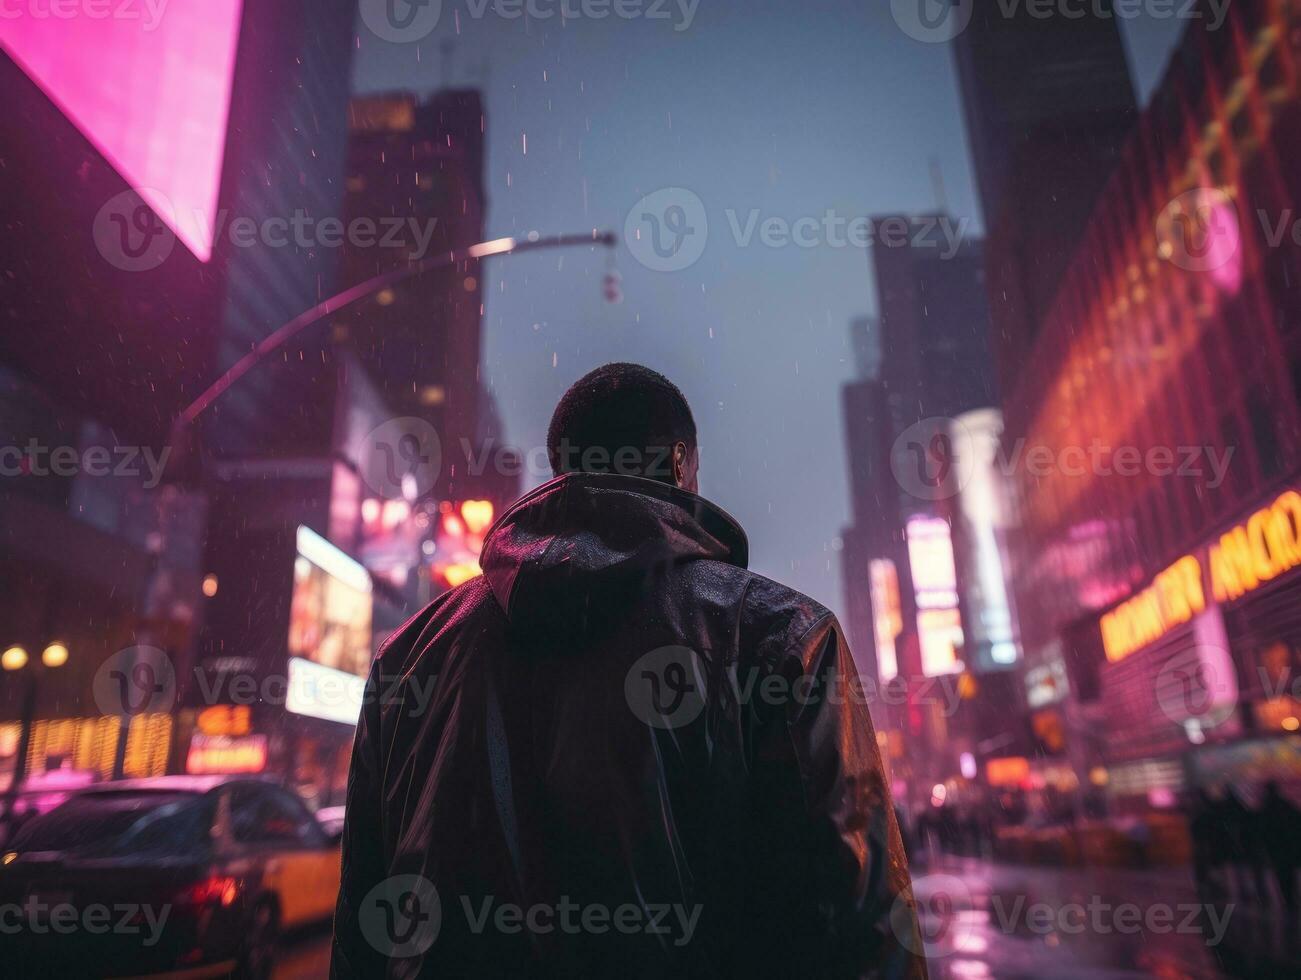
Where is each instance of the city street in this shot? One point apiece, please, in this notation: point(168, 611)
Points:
point(652, 473)
point(984, 921)
point(987, 921)
point(305, 956)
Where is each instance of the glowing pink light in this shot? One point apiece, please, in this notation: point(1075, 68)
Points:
point(1225, 246)
point(152, 93)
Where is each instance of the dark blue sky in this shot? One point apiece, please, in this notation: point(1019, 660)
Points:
point(790, 108)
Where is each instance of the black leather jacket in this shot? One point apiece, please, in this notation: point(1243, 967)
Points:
point(619, 753)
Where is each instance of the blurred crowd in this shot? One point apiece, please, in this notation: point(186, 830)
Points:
point(1239, 848)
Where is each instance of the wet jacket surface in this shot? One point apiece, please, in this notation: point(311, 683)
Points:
point(618, 753)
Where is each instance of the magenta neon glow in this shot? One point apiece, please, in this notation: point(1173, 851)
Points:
point(151, 93)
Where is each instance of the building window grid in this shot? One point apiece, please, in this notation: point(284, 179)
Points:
point(1196, 346)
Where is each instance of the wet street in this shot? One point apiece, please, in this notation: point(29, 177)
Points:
point(305, 956)
point(984, 921)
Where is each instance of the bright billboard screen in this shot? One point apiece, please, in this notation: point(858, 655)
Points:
point(149, 85)
point(330, 616)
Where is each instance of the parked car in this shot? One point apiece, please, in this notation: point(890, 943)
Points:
point(331, 820)
point(198, 874)
point(39, 794)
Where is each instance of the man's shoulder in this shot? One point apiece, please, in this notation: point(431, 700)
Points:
point(771, 614)
point(470, 604)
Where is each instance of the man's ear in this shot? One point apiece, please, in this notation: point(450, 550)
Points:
point(680, 475)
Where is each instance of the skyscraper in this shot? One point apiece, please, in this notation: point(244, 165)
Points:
point(137, 286)
point(935, 347)
point(1048, 103)
point(921, 562)
point(868, 434)
point(421, 162)
point(284, 169)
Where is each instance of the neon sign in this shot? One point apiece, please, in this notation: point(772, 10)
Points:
point(150, 91)
point(226, 754)
point(1246, 557)
point(1173, 598)
point(1259, 551)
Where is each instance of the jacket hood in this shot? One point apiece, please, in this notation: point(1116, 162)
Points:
point(575, 547)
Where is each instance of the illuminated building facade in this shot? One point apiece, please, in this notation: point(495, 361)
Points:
point(1156, 431)
point(922, 562)
point(155, 291)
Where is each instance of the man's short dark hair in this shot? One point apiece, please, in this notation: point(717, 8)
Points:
point(620, 418)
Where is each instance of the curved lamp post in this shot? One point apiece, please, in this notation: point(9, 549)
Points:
point(278, 338)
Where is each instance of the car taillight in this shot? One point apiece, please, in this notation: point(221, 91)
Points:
point(214, 890)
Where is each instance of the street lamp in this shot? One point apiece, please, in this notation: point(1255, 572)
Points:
point(54, 655)
point(14, 658)
point(380, 284)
